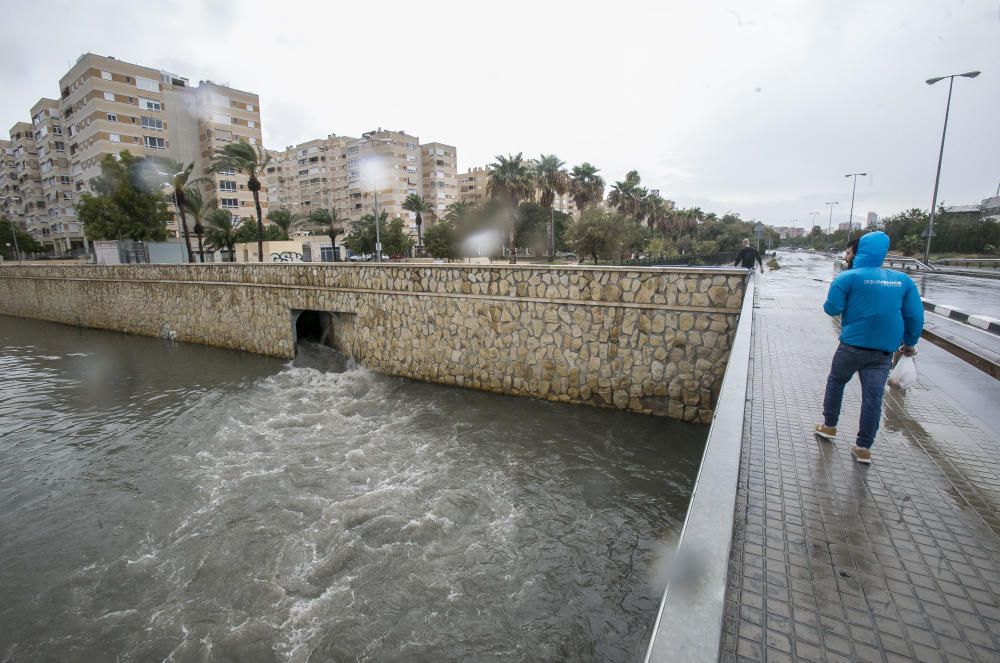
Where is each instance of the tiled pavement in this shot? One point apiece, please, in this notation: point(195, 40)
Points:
point(834, 561)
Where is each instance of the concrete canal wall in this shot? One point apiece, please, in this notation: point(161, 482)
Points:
point(647, 340)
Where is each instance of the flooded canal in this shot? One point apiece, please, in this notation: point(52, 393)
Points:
point(162, 501)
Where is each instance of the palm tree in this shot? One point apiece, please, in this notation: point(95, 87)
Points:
point(250, 160)
point(284, 219)
point(195, 204)
point(419, 206)
point(586, 186)
point(551, 180)
point(458, 211)
point(221, 231)
point(623, 194)
point(511, 180)
point(178, 176)
point(329, 222)
point(657, 213)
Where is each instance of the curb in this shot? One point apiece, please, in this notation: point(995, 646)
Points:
point(690, 621)
point(984, 322)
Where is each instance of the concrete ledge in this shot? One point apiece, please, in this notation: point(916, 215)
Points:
point(690, 621)
point(991, 325)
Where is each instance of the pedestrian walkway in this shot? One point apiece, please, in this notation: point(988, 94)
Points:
point(834, 561)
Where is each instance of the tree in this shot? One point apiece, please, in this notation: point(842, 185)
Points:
point(284, 219)
point(627, 197)
point(25, 243)
point(442, 240)
point(533, 227)
point(419, 206)
point(220, 232)
point(551, 180)
point(247, 232)
point(586, 186)
point(328, 222)
point(361, 238)
point(195, 204)
point(250, 160)
point(599, 233)
point(178, 177)
point(395, 240)
point(121, 209)
point(511, 181)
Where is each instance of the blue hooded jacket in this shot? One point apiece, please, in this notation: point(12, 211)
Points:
point(879, 308)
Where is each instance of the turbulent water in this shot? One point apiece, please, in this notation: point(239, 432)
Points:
point(161, 501)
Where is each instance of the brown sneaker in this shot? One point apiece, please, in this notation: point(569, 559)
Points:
point(862, 455)
point(826, 432)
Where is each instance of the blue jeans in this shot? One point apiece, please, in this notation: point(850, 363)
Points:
point(872, 366)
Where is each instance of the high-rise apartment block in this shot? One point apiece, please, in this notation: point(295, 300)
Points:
point(107, 105)
point(342, 173)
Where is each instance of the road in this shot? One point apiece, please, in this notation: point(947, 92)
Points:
point(972, 294)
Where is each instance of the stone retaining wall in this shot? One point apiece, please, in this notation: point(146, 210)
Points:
point(647, 340)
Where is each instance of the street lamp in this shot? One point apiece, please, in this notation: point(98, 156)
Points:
point(374, 168)
point(937, 178)
point(813, 223)
point(13, 230)
point(850, 218)
point(829, 227)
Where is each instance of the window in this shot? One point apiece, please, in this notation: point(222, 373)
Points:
point(57, 131)
point(114, 138)
point(227, 171)
point(303, 173)
point(112, 117)
point(231, 203)
point(154, 142)
point(253, 141)
point(150, 104)
point(227, 185)
point(106, 75)
point(147, 84)
point(221, 118)
point(352, 162)
point(352, 150)
point(251, 124)
point(109, 96)
point(152, 123)
point(410, 146)
point(64, 179)
point(67, 195)
point(60, 146)
point(220, 100)
point(249, 107)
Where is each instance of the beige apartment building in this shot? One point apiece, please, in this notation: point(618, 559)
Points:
point(10, 192)
point(62, 230)
point(342, 173)
point(108, 105)
point(26, 198)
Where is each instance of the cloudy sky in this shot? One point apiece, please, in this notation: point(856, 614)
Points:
point(753, 107)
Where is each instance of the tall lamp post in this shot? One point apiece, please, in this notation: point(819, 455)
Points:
point(850, 218)
point(13, 230)
point(937, 178)
point(813, 223)
point(378, 235)
point(829, 227)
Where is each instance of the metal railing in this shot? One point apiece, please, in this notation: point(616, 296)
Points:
point(723, 258)
point(989, 263)
point(908, 264)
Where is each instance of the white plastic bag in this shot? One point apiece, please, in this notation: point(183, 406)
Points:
point(904, 375)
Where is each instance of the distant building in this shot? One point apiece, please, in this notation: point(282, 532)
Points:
point(872, 220)
point(991, 208)
point(843, 227)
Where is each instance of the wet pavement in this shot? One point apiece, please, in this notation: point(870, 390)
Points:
point(972, 294)
point(834, 561)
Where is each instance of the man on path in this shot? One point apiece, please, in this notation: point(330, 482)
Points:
point(747, 255)
point(879, 309)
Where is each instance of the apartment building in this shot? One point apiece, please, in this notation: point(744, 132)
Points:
point(440, 175)
point(109, 105)
point(62, 231)
point(342, 173)
point(473, 185)
point(27, 198)
point(9, 190)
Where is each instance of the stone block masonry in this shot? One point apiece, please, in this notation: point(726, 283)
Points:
point(647, 340)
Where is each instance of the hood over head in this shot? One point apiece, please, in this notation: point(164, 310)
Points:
point(871, 250)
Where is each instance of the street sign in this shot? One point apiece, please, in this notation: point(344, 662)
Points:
point(759, 228)
point(924, 234)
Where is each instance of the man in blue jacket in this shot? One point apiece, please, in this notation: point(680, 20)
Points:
point(880, 309)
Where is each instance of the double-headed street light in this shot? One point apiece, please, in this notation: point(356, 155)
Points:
point(374, 168)
point(829, 227)
point(850, 218)
point(937, 178)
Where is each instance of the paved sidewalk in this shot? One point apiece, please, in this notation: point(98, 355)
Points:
point(834, 561)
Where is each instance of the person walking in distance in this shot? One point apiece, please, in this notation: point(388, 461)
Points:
point(747, 255)
point(880, 309)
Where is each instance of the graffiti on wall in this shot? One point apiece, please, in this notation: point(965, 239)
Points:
point(286, 256)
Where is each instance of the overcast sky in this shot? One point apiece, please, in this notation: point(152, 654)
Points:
point(753, 107)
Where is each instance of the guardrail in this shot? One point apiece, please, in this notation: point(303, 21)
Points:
point(685, 260)
point(988, 263)
point(908, 264)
